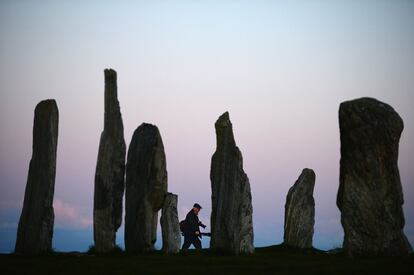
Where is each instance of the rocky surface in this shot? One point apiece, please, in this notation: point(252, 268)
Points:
point(110, 171)
point(35, 229)
point(146, 188)
point(370, 195)
point(170, 228)
point(231, 216)
point(300, 211)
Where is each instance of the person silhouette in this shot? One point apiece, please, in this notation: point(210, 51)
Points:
point(192, 228)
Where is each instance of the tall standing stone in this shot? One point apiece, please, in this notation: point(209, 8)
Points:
point(370, 195)
point(35, 230)
point(146, 187)
point(170, 228)
point(300, 211)
point(110, 171)
point(231, 216)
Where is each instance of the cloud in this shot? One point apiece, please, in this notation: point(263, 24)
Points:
point(70, 216)
point(67, 216)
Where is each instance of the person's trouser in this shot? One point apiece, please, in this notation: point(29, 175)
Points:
point(191, 240)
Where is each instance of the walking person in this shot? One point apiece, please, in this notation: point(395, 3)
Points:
point(191, 232)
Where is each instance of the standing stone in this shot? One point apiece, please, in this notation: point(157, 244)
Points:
point(146, 187)
point(35, 230)
point(300, 211)
point(110, 171)
point(231, 216)
point(370, 195)
point(170, 228)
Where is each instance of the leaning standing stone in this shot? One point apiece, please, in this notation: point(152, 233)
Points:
point(146, 187)
point(231, 216)
point(370, 195)
point(171, 235)
point(35, 230)
point(300, 211)
point(110, 171)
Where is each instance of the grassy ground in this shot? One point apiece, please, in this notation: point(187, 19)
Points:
point(267, 260)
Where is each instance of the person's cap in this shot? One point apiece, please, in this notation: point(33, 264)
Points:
point(196, 205)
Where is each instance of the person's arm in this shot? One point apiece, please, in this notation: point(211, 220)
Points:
point(201, 224)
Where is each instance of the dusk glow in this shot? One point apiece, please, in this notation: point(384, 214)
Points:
point(280, 69)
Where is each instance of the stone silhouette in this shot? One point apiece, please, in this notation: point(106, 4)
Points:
point(146, 187)
point(35, 229)
point(300, 211)
point(110, 171)
point(231, 216)
point(170, 228)
point(370, 195)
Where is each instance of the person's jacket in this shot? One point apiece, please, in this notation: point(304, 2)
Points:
point(192, 223)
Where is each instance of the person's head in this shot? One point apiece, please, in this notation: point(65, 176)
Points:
point(196, 208)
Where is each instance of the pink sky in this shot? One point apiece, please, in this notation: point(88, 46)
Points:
point(280, 69)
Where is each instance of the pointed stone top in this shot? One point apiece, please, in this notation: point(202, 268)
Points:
point(308, 171)
point(307, 176)
point(224, 131)
point(224, 120)
point(306, 180)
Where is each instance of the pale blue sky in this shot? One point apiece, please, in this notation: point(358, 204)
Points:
point(281, 68)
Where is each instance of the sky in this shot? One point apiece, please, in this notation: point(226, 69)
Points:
point(281, 69)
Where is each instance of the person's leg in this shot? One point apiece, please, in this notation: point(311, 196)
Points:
point(187, 243)
point(197, 243)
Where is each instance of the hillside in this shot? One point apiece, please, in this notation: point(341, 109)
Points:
point(266, 260)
